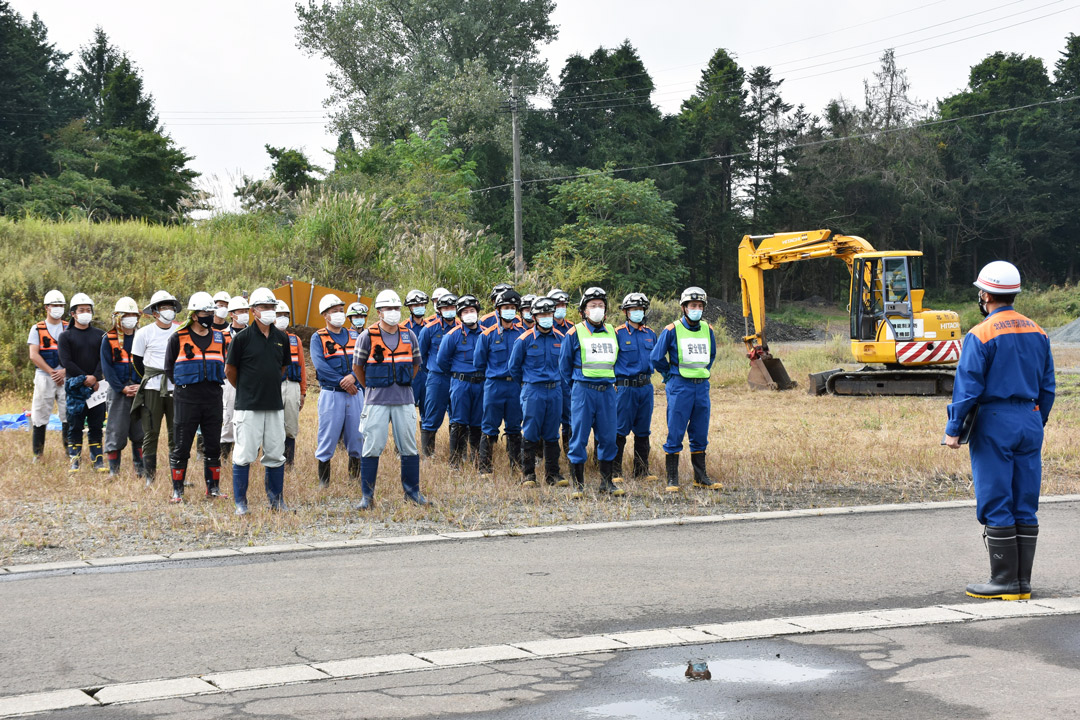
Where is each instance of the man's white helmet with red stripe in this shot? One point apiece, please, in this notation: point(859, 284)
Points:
point(999, 278)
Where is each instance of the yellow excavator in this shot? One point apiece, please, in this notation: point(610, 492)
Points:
point(908, 348)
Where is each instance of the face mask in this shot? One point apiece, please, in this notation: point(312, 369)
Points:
point(419, 311)
point(359, 322)
point(596, 315)
point(281, 323)
point(268, 317)
point(242, 319)
point(449, 314)
point(84, 318)
point(221, 313)
point(560, 313)
point(337, 319)
point(545, 322)
point(526, 315)
point(56, 313)
point(129, 323)
point(469, 318)
point(693, 315)
point(167, 315)
point(508, 313)
point(637, 315)
point(982, 306)
point(205, 321)
point(391, 317)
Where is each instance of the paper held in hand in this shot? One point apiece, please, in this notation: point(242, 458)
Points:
point(99, 396)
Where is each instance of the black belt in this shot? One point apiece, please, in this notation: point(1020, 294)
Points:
point(692, 380)
point(503, 378)
point(333, 389)
point(546, 384)
point(635, 381)
point(594, 386)
point(467, 378)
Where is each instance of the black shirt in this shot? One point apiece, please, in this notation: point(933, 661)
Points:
point(258, 360)
point(201, 392)
point(80, 353)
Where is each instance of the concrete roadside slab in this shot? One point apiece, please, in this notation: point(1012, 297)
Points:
point(650, 638)
point(152, 690)
point(39, 567)
point(130, 560)
point(264, 677)
point(1066, 605)
point(273, 549)
point(375, 665)
point(403, 539)
point(205, 554)
point(920, 616)
point(474, 656)
point(570, 646)
point(751, 629)
point(1000, 609)
point(838, 621)
point(44, 702)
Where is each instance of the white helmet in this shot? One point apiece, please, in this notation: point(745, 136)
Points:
point(328, 301)
point(387, 298)
point(999, 278)
point(159, 298)
point(262, 296)
point(237, 302)
point(200, 301)
point(283, 307)
point(693, 293)
point(81, 299)
point(54, 297)
point(438, 293)
point(222, 297)
point(125, 305)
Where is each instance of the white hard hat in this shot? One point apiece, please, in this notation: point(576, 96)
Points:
point(125, 305)
point(387, 298)
point(54, 297)
point(81, 299)
point(159, 298)
point(200, 301)
point(262, 296)
point(222, 297)
point(283, 307)
point(999, 278)
point(328, 301)
point(438, 293)
point(237, 302)
point(357, 308)
point(693, 293)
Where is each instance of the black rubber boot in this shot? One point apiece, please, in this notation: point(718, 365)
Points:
point(617, 463)
point(149, 468)
point(607, 487)
point(566, 439)
point(1026, 537)
point(212, 476)
point(483, 460)
point(178, 485)
point(671, 463)
point(64, 438)
point(552, 475)
point(1004, 562)
point(528, 464)
point(37, 441)
point(324, 474)
point(427, 443)
point(458, 440)
point(578, 471)
point(290, 451)
point(701, 476)
point(475, 433)
point(226, 450)
point(641, 459)
point(513, 451)
point(114, 463)
point(97, 457)
point(354, 469)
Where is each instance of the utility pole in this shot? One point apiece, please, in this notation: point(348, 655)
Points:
point(519, 250)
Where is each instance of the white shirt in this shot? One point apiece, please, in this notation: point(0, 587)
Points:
point(55, 329)
point(150, 342)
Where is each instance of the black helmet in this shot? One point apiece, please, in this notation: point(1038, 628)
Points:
point(416, 297)
point(499, 289)
point(527, 301)
point(559, 296)
point(593, 293)
point(635, 300)
point(543, 305)
point(446, 300)
point(467, 301)
point(508, 297)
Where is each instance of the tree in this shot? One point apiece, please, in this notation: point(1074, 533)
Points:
point(767, 110)
point(112, 89)
point(291, 169)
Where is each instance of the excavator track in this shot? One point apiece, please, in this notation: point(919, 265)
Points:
point(871, 381)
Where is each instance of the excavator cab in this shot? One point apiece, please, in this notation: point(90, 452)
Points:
point(886, 295)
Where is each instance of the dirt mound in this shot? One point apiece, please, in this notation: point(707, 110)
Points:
point(1067, 333)
point(730, 317)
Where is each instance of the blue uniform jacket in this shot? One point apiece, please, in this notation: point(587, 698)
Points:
point(415, 324)
point(635, 351)
point(332, 371)
point(492, 356)
point(570, 360)
point(535, 356)
point(457, 350)
point(665, 355)
point(1005, 357)
point(430, 340)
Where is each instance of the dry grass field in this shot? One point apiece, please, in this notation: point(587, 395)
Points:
point(770, 450)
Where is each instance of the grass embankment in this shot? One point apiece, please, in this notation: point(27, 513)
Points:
point(771, 451)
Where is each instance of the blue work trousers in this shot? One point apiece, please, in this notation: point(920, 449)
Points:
point(436, 400)
point(687, 414)
point(1006, 462)
point(466, 402)
point(419, 389)
point(592, 410)
point(634, 406)
point(542, 408)
point(502, 406)
point(339, 412)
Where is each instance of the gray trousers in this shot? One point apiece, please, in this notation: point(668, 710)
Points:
point(375, 422)
point(120, 426)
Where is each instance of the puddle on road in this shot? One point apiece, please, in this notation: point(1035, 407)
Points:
point(775, 672)
point(664, 708)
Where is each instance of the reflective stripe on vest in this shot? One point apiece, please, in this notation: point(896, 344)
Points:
point(386, 367)
point(292, 372)
point(47, 346)
point(694, 350)
point(599, 351)
point(195, 365)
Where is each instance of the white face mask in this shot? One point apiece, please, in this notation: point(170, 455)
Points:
point(282, 323)
point(560, 313)
point(469, 318)
point(596, 314)
point(84, 318)
point(56, 312)
point(391, 317)
point(268, 317)
point(419, 310)
point(167, 315)
point(337, 319)
point(221, 313)
point(359, 322)
point(242, 319)
point(129, 323)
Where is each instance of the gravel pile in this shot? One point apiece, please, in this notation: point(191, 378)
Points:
point(1067, 333)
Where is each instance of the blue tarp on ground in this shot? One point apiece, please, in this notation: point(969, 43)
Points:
point(21, 421)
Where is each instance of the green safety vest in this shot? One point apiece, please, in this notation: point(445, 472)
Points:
point(694, 350)
point(599, 350)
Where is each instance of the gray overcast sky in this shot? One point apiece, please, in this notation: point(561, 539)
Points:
point(228, 78)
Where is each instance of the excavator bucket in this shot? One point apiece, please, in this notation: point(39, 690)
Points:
point(769, 373)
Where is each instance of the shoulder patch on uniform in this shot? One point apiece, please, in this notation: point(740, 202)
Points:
point(670, 326)
point(572, 330)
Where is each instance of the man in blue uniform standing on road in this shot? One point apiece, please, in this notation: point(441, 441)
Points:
point(1007, 371)
point(502, 394)
point(633, 385)
point(340, 398)
point(437, 393)
point(534, 360)
point(466, 384)
point(587, 364)
point(684, 355)
point(562, 299)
